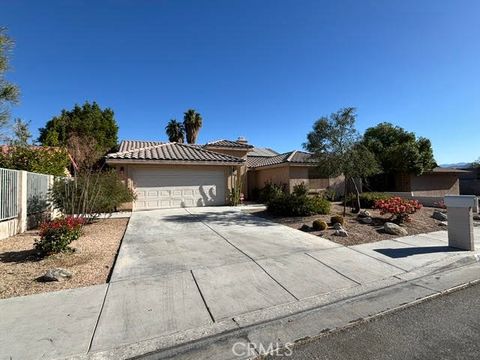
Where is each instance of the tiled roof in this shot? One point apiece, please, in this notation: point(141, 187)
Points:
point(127, 145)
point(265, 152)
point(229, 143)
point(292, 157)
point(174, 152)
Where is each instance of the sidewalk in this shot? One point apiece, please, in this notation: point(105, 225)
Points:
point(378, 277)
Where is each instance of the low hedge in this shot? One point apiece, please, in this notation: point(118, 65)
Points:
point(298, 205)
point(368, 199)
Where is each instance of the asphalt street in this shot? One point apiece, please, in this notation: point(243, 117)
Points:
point(447, 327)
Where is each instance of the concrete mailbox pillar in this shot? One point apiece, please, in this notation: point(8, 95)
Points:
point(460, 221)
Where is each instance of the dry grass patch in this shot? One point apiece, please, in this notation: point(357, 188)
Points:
point(95, 251)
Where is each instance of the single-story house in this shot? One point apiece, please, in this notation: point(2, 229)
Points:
point(169, 175)
point(470, 181)
point(429, 188)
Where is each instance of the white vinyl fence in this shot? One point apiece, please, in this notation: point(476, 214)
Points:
point(23, 200)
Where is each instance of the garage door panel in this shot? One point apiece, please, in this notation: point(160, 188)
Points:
point(157, 188)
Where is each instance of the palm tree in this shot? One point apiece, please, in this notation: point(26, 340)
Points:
point(192, 122)
point(175, 131)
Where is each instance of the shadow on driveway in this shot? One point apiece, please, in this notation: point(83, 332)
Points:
point(411, 251)
point(220, 218)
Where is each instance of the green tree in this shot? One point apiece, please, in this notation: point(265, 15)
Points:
point(398, 150)
point(175, 131)
point(334, 141)
point(53, 161)
point(9, 92)
point(87, 122)
point(192, 122)
point(21, 133)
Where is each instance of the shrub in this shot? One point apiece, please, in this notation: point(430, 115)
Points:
point(271, 191)
point(300, 189)
point(399, 208)
point(368, 199)
point(319, 225)
point(337, 219)
point(90, 194)
point(57, 234)
point(320, 205)
point(294, 205)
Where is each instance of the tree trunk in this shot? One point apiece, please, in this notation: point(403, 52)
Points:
point(345, 197)
point(357, 195)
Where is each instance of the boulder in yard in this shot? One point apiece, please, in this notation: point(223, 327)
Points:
point(364, 214)
point(337, 226)
point(304, 227)
point(366, 220)
point(443, 223)
point(394, 229)
point(339, 230)
point(438, 215)
point(57, 274)
point(476, 217)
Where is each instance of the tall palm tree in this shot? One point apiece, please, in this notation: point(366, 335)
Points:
point(175, 131)
point(192, 122)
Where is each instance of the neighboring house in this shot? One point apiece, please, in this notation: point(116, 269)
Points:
point(430, 187)
point(170, 175)
point(470, 181)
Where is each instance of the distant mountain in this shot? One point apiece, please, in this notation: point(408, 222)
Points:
point(460, 165)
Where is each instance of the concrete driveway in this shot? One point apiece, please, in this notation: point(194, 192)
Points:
point(191, 275)
point(186, 268)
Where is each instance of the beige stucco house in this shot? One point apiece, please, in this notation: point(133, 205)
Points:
point(169, 175)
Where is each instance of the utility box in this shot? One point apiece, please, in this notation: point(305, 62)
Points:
point(460, 221)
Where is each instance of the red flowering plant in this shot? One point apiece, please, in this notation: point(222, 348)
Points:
point(57, 234)
point(399, 208)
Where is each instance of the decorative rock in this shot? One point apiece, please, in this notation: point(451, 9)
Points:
point(338, 226)
point(366, 220)
point(57, 274)
point(304, 227)
point(476, 217)
point(364, 214)
point(443, 223)
point(438, 215)
point(341, 232)
point(394, 229)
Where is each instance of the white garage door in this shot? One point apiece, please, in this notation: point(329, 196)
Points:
point(173, 188)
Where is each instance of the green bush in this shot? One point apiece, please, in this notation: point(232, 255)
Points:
point(300, 189)
point(320, 205)
point(57, 234)
point(337, 219)
point(271, 191)
point(52, 161)
point(90, 194)
point(294, 205)
point(319, 225)
point(368, 199)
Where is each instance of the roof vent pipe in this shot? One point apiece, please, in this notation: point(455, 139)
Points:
point(242, 140)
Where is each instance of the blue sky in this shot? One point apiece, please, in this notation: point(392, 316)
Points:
point(265, 69)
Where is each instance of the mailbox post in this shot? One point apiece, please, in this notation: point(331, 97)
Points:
point(460, 221)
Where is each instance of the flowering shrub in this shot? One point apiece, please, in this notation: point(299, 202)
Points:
point(57, 234)
point(399, 208)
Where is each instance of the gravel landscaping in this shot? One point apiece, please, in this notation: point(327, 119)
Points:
point(358, 233)
point(90, 264)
